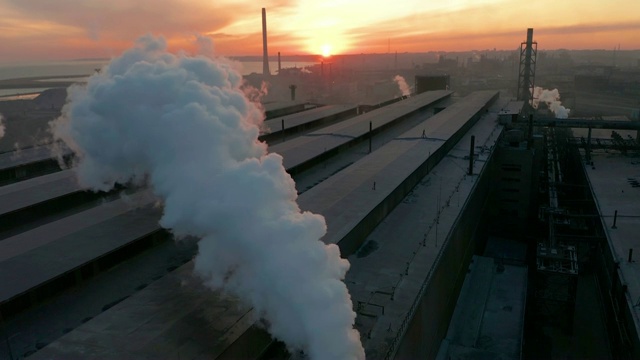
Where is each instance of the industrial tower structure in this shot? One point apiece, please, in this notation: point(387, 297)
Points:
point(265, 53)
point(527, 69)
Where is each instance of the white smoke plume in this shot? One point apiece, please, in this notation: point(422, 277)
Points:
point(264, 88)
point(1, 126)
point(402, 84)
point(552, 99)
point(184, 125)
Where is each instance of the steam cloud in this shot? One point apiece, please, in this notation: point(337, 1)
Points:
point(402, 84)
point(1, 126)
point(184, 126)
point(552, 99)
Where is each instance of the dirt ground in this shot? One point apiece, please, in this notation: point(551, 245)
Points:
point(26, 122)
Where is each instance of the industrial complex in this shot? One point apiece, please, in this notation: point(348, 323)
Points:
point(479, 222)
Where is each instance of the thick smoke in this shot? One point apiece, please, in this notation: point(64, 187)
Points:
point(184, 126)
point(552, 99)
point(402, 84)
point(1, 126)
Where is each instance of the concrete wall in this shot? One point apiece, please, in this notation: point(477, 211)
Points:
point(624, 337)
point(82, 273)
point(27, 171)
point(429, 325)
point(287, 110)
point(37, 211)
point(514, 181)
point(428, 83)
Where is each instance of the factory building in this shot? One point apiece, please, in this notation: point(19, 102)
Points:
point(432, 82)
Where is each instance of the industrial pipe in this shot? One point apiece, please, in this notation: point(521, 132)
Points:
point(370, 131)
point(471, 153)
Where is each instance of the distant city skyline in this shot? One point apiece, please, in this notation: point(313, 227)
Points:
point(71, 29)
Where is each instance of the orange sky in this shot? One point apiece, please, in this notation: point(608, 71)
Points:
point(69, 29)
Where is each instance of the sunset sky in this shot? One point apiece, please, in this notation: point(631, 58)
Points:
point(70, 29)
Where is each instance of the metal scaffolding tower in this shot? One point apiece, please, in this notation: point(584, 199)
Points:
point(527, 68)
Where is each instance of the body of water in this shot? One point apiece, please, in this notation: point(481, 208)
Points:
point(53, 68)
point(5, 93)
point(87, 67)
point(62, 70)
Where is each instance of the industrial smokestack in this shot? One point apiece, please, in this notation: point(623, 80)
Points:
point(279, 65)
point(265, 53)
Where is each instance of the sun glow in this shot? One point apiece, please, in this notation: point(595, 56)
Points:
point(326, 50)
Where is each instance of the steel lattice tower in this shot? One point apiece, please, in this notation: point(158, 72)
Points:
point(527, 68)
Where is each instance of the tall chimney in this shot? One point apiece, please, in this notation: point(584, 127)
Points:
point(265, 53)
point(279, 68)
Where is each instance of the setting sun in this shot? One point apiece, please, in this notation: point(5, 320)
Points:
point(326, 50)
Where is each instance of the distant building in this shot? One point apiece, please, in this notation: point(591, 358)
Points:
point(516, 179)
point(509, 114)
point(432, 82)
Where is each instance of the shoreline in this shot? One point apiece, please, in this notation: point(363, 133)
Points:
point(40, 82)
point(36, 85)
point(20, 96)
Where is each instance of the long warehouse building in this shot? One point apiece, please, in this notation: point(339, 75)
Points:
point(171, 319)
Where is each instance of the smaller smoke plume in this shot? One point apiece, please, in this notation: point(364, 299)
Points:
point(402, 84)
point(552, 99)
point(264, 88)
point(1, 126)
point(17, 151)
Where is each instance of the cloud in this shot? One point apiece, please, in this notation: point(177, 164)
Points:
point(122, 19)
point(94, 28)
point(590, 28)
point(45, 27)
point(491, 25)
point(251, 43)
